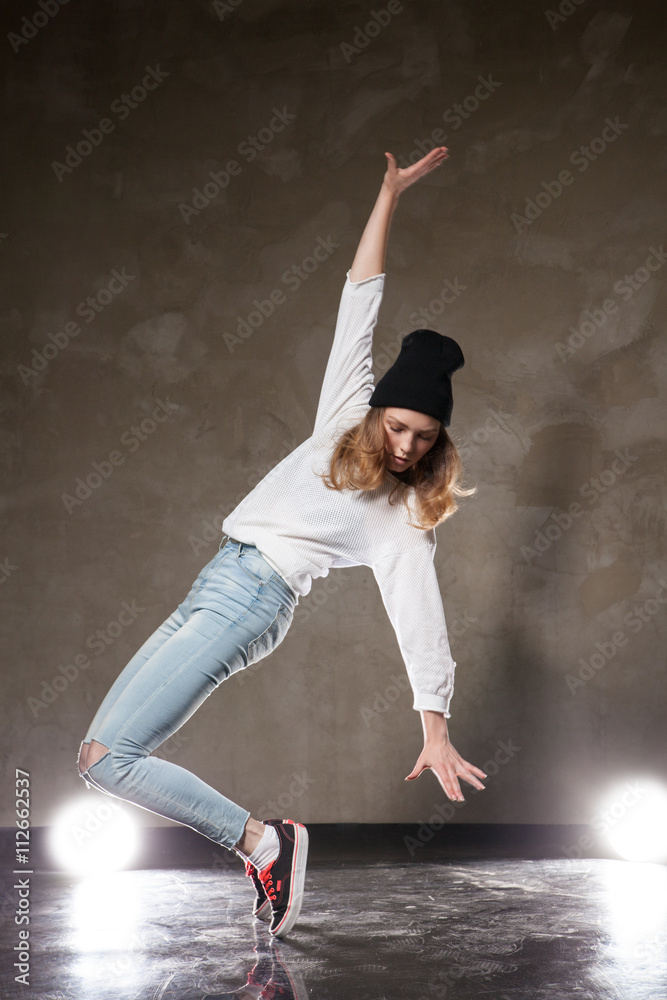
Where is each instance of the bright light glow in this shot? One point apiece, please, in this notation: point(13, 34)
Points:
point(93, 835)
point(636, 896)
point(105, 913)
point(634, 819)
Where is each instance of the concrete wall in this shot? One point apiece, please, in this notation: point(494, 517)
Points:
point(122, 299)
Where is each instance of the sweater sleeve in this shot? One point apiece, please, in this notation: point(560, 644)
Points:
point(409, 586)
point(348, 379)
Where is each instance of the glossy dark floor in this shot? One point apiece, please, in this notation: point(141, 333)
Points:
point(501, 929)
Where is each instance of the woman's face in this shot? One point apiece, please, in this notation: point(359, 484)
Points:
point(409, 435)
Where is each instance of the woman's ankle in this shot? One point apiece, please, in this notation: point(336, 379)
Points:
point(252, 834)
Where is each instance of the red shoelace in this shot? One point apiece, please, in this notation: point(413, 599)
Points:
point(266, 878)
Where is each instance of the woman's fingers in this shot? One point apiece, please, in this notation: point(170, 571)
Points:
point(450, 771)
point(472, 780)
point(428, 162)
point(416, 771)
point(449, 783)
point(448, 766)
point(468, 771)
point(405, 176)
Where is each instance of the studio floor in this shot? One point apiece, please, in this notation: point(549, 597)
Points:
point(507, 929)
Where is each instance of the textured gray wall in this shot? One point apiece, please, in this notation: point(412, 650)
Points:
point(538, 245)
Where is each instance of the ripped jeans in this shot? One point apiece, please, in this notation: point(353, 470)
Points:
point(237, 611)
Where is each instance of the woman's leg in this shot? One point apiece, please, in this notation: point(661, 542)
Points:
point(240, 613)
point(152, 644)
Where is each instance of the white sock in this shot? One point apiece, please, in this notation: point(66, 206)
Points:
point(267, 850)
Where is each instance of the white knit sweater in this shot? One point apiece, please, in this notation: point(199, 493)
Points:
point(303, 529)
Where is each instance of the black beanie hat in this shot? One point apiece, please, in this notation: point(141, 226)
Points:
point(421, 376)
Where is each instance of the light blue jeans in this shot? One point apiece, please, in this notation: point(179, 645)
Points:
point(238, 610)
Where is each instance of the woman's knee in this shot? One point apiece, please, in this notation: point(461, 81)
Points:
point(90, 753)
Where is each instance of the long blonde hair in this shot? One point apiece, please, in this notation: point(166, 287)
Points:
point(360, 462)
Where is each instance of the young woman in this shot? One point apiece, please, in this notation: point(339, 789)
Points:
point(367, 488)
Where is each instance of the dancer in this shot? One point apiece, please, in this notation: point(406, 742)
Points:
point(367, 488)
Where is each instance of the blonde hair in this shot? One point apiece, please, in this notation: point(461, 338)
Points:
point(360, 462)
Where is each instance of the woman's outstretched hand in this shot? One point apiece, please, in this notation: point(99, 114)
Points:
point(440, 757)
point(397, 179)
point(370, 256)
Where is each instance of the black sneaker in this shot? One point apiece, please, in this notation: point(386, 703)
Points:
point(262, 972)
point(283, 879)
point(259, 978)
point(286, 983)
point(262, 907)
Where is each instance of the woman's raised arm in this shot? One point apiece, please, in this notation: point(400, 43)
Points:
point(370, 255)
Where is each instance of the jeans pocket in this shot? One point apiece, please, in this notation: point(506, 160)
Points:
point(251, 561)
point(271, 637)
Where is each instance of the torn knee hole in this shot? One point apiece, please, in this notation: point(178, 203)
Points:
point(90, 754)
point(83, 750)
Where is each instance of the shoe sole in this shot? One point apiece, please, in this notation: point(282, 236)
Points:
point(296, 883)
point(264, 911)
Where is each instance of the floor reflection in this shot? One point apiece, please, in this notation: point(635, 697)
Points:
point(272, 977)
point(514, 929)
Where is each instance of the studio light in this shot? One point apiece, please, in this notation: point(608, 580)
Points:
point(634, 820)
point(93, 835)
